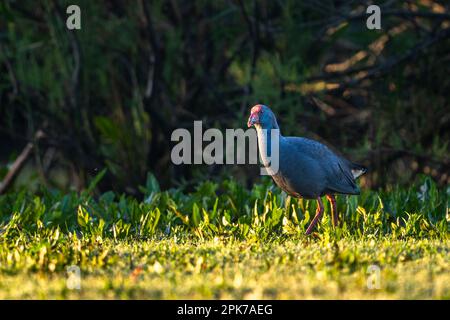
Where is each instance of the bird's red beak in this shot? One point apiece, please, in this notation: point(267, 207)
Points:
point(254, 118)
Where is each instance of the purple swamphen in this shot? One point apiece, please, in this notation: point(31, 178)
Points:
point(306, 167)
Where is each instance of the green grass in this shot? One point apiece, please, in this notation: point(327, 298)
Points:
point(223, 241)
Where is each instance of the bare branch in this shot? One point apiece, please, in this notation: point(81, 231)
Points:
point(19, 162)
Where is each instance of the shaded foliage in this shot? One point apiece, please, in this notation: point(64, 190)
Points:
point(110, 94)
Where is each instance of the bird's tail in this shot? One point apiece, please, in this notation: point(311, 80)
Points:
point(357, 170)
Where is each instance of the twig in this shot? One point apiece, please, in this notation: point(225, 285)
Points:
point(254, 35)
point(10, 72)
point(20, 161)
point(76, 52)
point(398, 153)
point(387, 66)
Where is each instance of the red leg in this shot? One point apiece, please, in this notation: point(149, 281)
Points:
point(317, 217)
point(334, 213)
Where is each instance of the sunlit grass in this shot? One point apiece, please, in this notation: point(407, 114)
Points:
point(240, 270)
point(223, 241)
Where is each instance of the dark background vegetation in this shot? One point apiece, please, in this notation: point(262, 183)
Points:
point(109, 95)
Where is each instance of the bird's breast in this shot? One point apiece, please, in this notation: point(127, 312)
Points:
point(285, 185)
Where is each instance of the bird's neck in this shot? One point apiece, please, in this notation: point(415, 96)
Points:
point(268, 140)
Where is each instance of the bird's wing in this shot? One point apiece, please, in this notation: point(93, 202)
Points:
point(339, 175)
point(341, 180)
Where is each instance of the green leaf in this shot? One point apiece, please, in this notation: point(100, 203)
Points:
point(96, 180)
point(151, 184)
point(196, 217)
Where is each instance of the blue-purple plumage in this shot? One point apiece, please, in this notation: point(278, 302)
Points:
point(313, 169)
point(308, 168)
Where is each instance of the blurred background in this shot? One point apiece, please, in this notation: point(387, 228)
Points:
point(74, 102)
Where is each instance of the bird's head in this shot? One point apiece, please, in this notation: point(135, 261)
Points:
point(262, 116)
